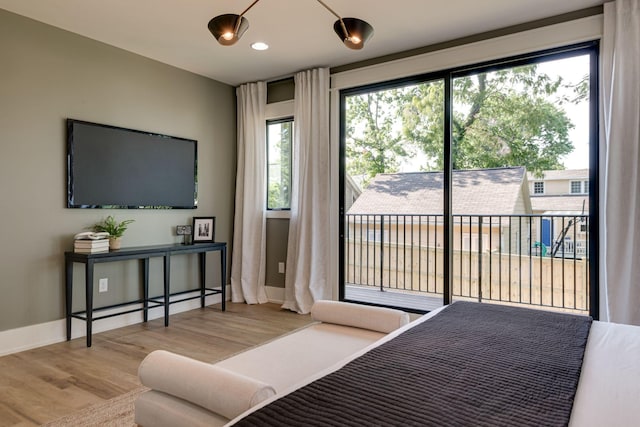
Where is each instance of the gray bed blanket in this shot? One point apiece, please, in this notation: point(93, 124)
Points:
point(471, 365)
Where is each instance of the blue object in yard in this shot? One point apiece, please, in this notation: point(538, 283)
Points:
point(546, 233)
point(542, 246)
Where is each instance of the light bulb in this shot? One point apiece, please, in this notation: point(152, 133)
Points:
point(260, 46)
point(228, 35)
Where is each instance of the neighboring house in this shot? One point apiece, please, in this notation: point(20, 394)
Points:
point(560, 190)
point(351, 192)
point(562, 198)
point(394, 234)
point(406, 208)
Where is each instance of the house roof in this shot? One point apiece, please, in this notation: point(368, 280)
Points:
point(571, 203)
point(576, 174)
point(480, 191)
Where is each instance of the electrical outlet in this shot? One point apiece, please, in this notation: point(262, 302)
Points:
point(281, 267)
point(103, 285)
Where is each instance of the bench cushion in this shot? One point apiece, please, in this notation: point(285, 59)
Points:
point(378, 319)
point(292, 358)
point(217, 389)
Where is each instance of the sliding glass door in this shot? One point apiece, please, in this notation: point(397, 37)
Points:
point(393, 193)
point(476, 183)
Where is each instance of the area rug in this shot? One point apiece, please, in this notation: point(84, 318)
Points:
point(116, 412)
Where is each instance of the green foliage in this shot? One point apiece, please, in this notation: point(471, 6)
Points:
point(374, 143)
point(111, 226)
point(502, 118)
point(278, 197)
point(279, 190)
point(511, 117)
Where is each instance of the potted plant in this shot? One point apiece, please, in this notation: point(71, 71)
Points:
point(114, 228)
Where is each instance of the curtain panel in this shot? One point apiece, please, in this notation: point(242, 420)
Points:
point(307, 265)
point(620, 162)
point(249, 236)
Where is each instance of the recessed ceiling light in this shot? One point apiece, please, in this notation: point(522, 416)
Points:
point(259, 46)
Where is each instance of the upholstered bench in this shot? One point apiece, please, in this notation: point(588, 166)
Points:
point(187, 392)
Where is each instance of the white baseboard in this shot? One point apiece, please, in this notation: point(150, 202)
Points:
point(28, 337)
point(275, 295)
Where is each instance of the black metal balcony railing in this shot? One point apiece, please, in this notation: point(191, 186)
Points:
point(538, 260)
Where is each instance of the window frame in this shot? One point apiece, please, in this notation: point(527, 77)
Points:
point(589, 46)
point(276, 111)
point(268, 123)
point(576, 185)
point(583, 186)
point(538, 184)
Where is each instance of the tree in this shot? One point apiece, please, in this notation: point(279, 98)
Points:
point(374, 140)
point(510, 117)
point(279, 194)
point(501, 118)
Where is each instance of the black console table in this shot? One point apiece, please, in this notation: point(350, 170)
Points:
point(142, 253)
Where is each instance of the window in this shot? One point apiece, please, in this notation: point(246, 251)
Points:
point(576, 187)
point(279, 146)
point(538, 187)
point(435, 154)
point(579, 187)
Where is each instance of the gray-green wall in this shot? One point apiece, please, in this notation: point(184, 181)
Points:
point(276, 250)
point(48, 75)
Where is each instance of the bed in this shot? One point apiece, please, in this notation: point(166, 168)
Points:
point(475, 364)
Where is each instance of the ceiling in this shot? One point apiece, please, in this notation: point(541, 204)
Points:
point(299, 32)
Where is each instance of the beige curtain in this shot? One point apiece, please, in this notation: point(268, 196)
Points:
point(306, 277)
point(249, 231)
point(620, 163)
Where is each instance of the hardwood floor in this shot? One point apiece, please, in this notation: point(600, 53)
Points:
point(46, 383)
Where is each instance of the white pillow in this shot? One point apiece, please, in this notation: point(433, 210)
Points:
point(378, 319)
point(217, 389)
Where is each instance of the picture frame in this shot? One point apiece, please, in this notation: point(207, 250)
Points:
point(203, 229)
point(184, 230)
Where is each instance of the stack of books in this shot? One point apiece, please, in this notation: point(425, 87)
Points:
point(91, 243)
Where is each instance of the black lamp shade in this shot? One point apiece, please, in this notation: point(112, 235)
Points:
point(223, 27)
point(358, 32)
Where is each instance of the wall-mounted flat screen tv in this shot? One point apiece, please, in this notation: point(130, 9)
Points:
point(113, 167)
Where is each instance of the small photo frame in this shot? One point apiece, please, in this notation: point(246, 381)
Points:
point(203, 229)
point(184, 230)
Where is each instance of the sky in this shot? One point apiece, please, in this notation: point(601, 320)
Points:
point(573, 69)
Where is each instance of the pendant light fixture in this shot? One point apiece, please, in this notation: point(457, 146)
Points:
point(228, 28)
point(353, 32)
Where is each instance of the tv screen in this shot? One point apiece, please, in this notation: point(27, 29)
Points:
point(113, 167)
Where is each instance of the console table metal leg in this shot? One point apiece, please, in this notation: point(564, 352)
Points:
point(203, 271)
point(145, 287)
point(68, 284)
point(167, 275)
point(89, 298)
point(223, 275)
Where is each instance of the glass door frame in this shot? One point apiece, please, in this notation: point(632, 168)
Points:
point(590, 48)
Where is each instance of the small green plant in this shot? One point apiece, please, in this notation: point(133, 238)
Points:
point(111, 226)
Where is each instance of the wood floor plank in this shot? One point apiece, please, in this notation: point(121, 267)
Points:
point(43, 384)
